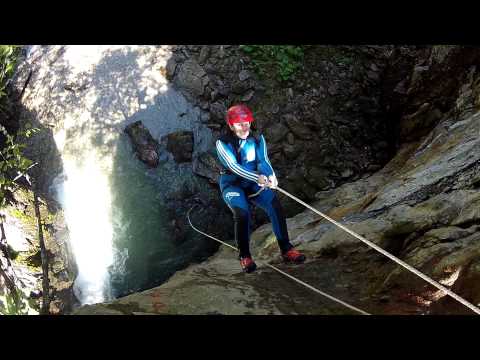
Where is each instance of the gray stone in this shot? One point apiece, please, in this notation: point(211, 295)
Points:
point(222, 88)
point(292, 152)
point(221, 52)
point(248, 96)
point(333, 89)
point(214, 95)
point(205, 117)
point(207, 165)
point(210, 68)
point(218, 111)
point(244, 75)
point(319, 176)
point(205, 80)
point(276, 132)
point(240, 87)
point(191, 77)
point(204, 54)
point(373, 76)
point(275, 109)
point(400, 88)
point(290, 138)
point(346, 173)
point(297, 127)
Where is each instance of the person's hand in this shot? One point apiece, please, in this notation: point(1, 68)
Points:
point(272, 182)
point(262, 180)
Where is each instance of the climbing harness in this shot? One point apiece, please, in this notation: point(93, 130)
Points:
point(278, 270)
point(387, 254)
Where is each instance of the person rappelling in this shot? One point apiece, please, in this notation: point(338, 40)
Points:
point(248, 177)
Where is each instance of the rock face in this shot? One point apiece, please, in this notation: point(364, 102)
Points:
point(422, 206)
point(192, 77)
point(146, 147)
point(342, 128)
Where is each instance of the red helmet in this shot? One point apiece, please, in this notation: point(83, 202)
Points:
point(239, 113)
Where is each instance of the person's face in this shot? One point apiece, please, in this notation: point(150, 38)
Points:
point(241, 129)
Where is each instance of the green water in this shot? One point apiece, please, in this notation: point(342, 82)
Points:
point(145, 251)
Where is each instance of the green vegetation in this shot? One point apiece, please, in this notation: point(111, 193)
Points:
point(284, 60)
point(8, 59)
point(12, 161)
point(17, 304)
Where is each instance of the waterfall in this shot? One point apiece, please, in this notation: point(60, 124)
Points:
point(111, 201)
point(85, 197)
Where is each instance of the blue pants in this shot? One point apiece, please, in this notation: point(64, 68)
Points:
point(236, 198)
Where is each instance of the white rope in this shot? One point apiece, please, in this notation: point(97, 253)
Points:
point(258, 192)
point(280, 271)
point(387, 254)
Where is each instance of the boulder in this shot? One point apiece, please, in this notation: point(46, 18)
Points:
point(180, 144)
point(218, 111)
point(276, 133)
point(192, 77)
point(146, 147)
point(207, 165)
point(297, 127)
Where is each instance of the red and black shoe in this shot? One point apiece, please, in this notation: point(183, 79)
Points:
point(294, 256)
point(248, 265)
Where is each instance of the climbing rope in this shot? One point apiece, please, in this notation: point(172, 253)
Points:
point(387, 254)
point(257, 193)
point(278, 270)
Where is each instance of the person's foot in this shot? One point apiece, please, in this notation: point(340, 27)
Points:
point(247, 264)
point(294, 256)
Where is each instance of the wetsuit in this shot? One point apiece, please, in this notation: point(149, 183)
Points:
point(243, 161)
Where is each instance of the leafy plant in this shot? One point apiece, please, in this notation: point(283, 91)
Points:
point(9, 306)
point(12, 161)
point(8, 59)
point(286, 59)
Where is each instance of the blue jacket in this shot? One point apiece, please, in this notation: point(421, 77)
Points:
point(243, 160)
